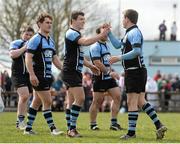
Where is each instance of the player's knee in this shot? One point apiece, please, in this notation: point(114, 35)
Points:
point(24, 98)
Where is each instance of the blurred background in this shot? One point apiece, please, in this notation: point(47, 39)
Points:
point(158, 20)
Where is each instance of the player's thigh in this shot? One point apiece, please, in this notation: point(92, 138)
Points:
point(45, 96)
point(98, 97)
point(77, 92)
point(115, 93)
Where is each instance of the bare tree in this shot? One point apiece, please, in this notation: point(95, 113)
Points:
point(14, 15)
point(60, 10)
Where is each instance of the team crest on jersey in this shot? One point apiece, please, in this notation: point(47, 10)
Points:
point(48, 53)
point(106, 57)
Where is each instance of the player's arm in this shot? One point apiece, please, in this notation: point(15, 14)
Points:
point(115, 42)
point(15, 51)
point(101, 66)
point(88, 41)
point(56, 61)
point(128, 56)
point(31, 48)
point(135, 39)
point(93, 68)
point(29, 66)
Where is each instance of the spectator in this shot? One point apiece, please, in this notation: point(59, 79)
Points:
point(58, 91)
point(157, 75)
point(176, 85)
point(152, 89)
point(7, 88)
point(162, 29)
point(87, 85)
point(173, 31)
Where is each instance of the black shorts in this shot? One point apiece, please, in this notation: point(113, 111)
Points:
point(44, 84)
point(72, 78)
point(104, 85)
point(22, 81)
point(135, 80)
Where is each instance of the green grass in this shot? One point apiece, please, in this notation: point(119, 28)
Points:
point(145, 129)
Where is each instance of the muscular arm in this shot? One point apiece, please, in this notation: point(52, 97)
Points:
point(101, 66)
point(57, 62)
point(17, 52)
point(87, 63)
point(88, 41)
point(115, 42)
point(29, 63)
point(132, 54)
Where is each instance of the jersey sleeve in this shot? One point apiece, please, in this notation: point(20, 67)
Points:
point(95, 52)
point(15, 45)
point(73, 35)
point(33, 44)
point(135, 38)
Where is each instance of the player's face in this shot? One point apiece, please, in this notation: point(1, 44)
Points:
point(124, 21)
point(46, 25)
point(79, 22)
point(27, 35)
point(105, 37)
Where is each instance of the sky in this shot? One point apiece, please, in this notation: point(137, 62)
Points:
point(151, 14)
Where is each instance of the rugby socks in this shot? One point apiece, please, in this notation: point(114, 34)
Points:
point(74, 115)
point(31, 117)
point(93, 124)
point(48, 116)
point(68, 113)
point(21, 118)
point(152, 114)
point(113, 121)
point(132, 120)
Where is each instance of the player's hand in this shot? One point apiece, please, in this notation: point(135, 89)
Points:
point(105, 31)
point(34, 80)
point(95, 70)
point(106, 25)
point(114, 59)
point(114, 75)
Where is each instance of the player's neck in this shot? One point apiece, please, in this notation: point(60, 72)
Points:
point(130, 25)
point(76, 28)
point(44, 33)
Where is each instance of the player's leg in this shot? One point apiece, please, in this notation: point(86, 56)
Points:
point(79, 97)
point(32, 112)
point(46, 99)
point(69, 101)
point(132, 101)
point(23, 93)
point(115, 105)
point(146, 107)
point(93, 110)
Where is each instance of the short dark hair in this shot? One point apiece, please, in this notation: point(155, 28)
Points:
point(98, 30)
point(75, 14)
point(27, 29)
point(132, 15)
point(42, 17)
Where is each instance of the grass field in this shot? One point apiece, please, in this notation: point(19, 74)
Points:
point(145, 129)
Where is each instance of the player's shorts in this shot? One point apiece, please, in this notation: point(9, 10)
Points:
point(135, 80)
point(22, 81)
point(104, 85)
point(72, 78)
point(44, 84)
